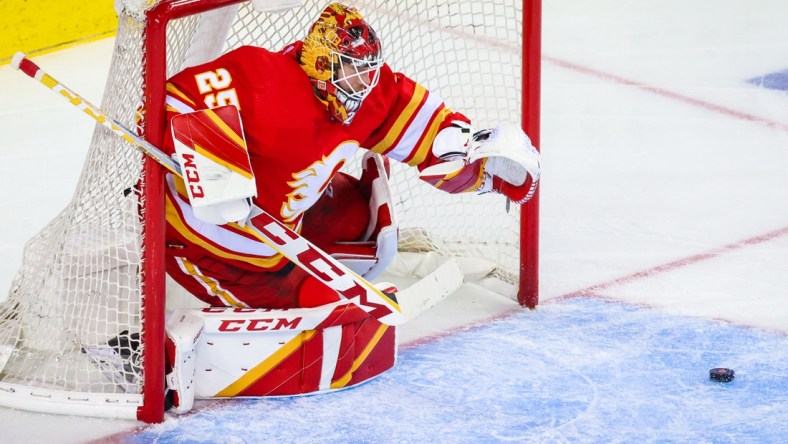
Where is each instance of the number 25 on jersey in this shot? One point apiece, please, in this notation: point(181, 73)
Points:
point(214, 86)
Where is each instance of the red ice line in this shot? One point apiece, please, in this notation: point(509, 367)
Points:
point(677, 264)
point(666, 93)
point(593, 291)
point(691, 101)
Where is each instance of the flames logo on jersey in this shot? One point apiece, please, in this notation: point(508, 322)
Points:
point(310, 182)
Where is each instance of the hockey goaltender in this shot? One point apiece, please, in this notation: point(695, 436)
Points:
point(283, 318)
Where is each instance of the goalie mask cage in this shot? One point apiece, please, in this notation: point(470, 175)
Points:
point(96, 270)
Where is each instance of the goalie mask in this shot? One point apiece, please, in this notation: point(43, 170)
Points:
point(342, 56)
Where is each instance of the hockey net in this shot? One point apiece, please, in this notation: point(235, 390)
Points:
point(95, 271)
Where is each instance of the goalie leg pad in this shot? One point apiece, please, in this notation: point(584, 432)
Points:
point(183, 332)
point(263, 352)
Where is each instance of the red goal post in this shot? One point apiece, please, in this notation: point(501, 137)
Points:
point(96, 270)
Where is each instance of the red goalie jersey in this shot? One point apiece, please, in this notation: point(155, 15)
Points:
point(295, 147)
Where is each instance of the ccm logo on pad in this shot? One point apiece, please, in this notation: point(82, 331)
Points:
point(229, 325)
point(192, 176)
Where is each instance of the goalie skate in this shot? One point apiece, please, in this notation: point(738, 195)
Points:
point(119, 360)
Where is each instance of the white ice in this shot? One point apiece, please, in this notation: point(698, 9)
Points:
point(665, 180)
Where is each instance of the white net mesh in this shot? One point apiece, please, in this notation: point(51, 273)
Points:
point(469, 53)
point(79, 283)
point(79, 286)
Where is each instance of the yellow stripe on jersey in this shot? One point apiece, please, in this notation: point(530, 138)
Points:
point(180, 187)
point(266, 366)
point(212, 285)
point(345, 379)
point(172, 89)
point(404, 117)
point(174, 219)
point(426, 141)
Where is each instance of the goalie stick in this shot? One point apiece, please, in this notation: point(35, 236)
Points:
point(389, 309)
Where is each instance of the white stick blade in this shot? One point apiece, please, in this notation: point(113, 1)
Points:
point(431, 289)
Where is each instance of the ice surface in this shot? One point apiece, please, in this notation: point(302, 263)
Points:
point(582, 370)
point(664, 251)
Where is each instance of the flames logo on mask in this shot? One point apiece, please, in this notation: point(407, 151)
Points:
point(342, 55)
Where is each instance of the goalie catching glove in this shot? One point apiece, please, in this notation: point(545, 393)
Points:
point(500, 160)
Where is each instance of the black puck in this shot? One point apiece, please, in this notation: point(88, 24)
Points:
point(722, 374)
